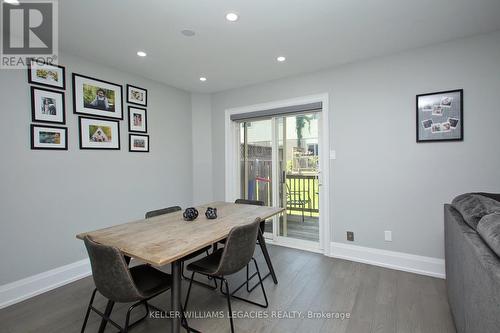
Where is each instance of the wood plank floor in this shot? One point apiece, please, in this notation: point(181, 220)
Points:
point(377, 300)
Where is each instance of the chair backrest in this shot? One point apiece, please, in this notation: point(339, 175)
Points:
point(110, 272)
point(239, 248)
point(255, 203)
point(162, 211)
point(249, 202)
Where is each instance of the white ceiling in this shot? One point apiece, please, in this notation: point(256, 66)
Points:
point(312, 34)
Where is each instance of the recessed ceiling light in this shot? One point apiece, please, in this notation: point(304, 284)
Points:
point(281, 58)
point(232, 17)
point(141, 53)
point(203, 79)
point(188, 33)
point(12, 2)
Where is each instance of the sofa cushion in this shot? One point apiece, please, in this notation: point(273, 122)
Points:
point(473, 207)
point(489, 229)
point(494, 196)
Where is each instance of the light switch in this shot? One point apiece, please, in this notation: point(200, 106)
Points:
point(388, 236)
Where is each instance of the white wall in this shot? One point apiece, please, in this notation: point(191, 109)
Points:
point(382, 179)
point(202, 148)
point(47, 197)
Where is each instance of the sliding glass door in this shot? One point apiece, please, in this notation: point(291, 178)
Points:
point(279, 165)
point(256, 163)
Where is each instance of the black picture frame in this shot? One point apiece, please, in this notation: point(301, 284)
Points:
point(130, 143)
point(130, 120)
point(96, 112)
point(32, 137)
point(30, 76)
point(130, 101)
point(33, 106)
point(420, 120)
point(80, 128)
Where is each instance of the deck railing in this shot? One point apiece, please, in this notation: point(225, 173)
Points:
point(303, 194)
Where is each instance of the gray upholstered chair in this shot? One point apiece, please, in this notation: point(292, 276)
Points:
point(236, 254)
point(174, 209)
point(162, 211)
point(262, 227)
point(121, 284)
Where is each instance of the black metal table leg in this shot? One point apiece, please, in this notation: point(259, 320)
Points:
point(176, 296)
point(262, 244)
point(107, 313)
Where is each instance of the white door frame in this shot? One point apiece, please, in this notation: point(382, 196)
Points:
point(232, 184)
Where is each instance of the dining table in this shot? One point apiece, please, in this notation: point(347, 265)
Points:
point(168, 238)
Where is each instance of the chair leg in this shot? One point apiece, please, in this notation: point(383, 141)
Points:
point(105, 316)
point(228, 296)
point(248, 279)
point(266, 304)
point(128, 326)
point(107, 313)
point(88, 311)
point(189, 291)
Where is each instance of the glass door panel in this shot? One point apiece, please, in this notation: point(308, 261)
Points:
point(256, 165)
point(298, 160)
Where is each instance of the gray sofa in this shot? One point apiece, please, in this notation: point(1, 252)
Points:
point(473, 264)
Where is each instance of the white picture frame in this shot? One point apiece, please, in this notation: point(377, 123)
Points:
point(49, 137)
point(48, 106)
point(96, 97)
point(99, 133)
point(138, 143)
point(136, 95)
point(137, 120)
point(49, 75)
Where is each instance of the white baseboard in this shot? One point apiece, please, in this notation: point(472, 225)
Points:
point(20, 290)
point(389, 259)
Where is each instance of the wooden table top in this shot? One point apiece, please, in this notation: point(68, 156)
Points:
point(163, 239)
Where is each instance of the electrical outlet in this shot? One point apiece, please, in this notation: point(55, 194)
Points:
point(350, 236)
point(388, 235)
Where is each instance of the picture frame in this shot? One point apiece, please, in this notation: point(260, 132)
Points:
point(48, 137)
point(440, 116)
point(136, 95)
point(48, 106)
point(138, 143)
point(137, 120)
point(44, 74)
point(99, 98)
point(96, 133)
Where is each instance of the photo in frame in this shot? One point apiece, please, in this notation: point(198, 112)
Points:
point(49, 75)
point(440, 116)
point(136, 95)
point(137, 119)
point(99, 133)
point(138, 143)
point(49, 137)
point(47, 106)
point(96, 97)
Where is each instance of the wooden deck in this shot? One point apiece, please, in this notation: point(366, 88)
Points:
point(307, 230)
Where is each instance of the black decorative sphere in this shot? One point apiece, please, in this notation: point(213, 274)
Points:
point(211, 213)
point(190, 214)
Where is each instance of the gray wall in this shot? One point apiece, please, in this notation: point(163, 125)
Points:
point(382, 179)
point(201, 112)
point(47, 197)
